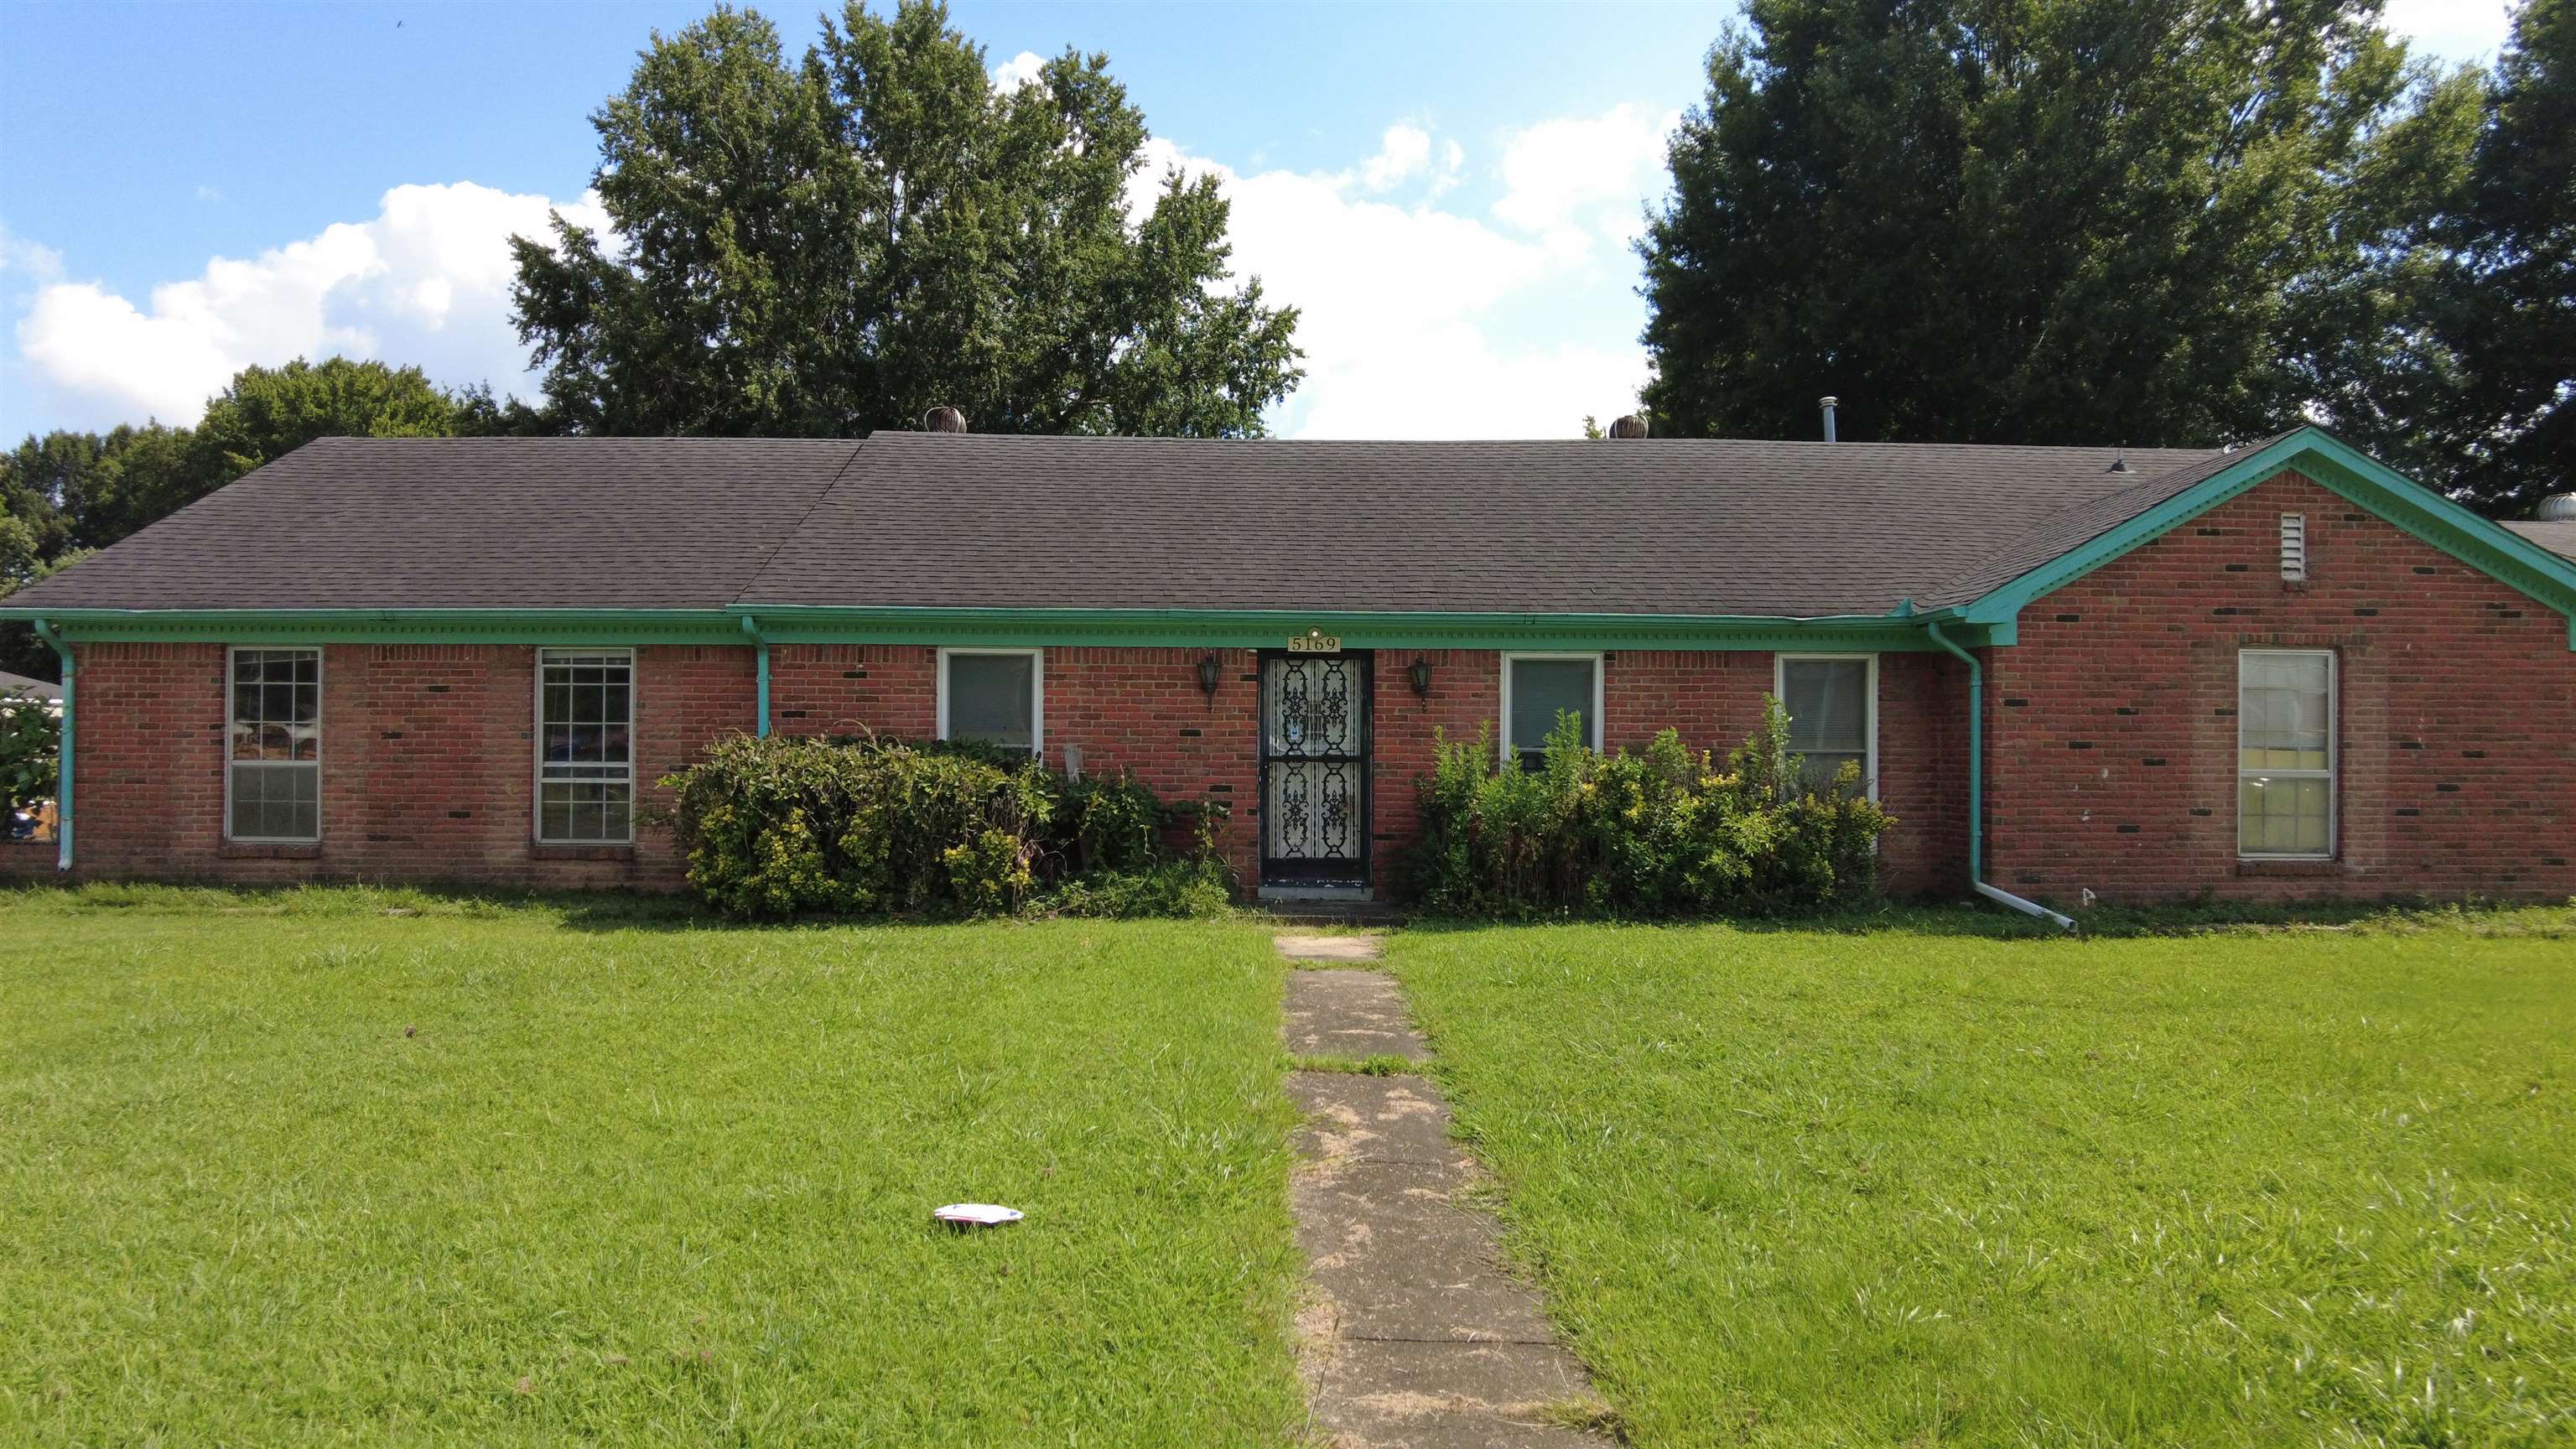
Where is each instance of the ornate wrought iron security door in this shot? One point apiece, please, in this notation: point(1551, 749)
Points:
point(1315, 769)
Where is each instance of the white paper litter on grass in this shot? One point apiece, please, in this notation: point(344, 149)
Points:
point(976, 1214)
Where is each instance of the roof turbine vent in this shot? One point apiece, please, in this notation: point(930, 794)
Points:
point(1631, 425)
point(2557, 508)
point(943, 419)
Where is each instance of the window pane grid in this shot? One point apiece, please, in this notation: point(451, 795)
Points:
point(2285, 753)
point(273, 783)
point(585, 747)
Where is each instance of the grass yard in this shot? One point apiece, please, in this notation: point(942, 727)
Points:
point(290, 1169)
point(2311, 1187)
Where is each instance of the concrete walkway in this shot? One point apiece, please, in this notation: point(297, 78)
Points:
point(1415, 1338)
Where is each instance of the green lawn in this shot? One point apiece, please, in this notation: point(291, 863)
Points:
point(291, 1169)
point(2314, 1187)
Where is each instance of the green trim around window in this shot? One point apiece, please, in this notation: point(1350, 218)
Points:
point(2341, 469)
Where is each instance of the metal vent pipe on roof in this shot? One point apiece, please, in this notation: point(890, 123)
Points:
point(943, 419)
point(1631, 425)
point(2557, 508)
point(1827, 403)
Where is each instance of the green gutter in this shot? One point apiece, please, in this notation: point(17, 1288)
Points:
point(63, 751)
point(1977, 785)
point(760, 649)
point(1120, 628)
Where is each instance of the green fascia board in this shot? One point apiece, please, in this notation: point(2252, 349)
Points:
point(392, 626)
point(1115, 628)
point(1271, 629)
point(2340, 468)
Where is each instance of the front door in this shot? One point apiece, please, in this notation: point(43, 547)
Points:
point(1315, 769)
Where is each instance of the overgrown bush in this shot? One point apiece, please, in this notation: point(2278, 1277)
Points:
point(1664, 833)
point(778, 827)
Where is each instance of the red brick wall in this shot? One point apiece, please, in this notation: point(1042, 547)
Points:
point(428, 770)
point(831, 689)
point(2111, 754)
point(428, 775)
point(2112, 760)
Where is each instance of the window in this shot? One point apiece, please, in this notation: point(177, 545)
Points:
point(2285, 753)
point(1539, 687)
point(585, 746)
point(1832, 702)
point(273, 776)
point(992, 695)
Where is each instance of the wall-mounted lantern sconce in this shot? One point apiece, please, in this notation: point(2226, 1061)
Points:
point(1208, 668)
point(1419, 671)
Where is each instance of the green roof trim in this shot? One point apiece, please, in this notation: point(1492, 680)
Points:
point(2342, 469)
point(1063, 628)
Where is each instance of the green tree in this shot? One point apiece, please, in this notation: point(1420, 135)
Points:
point(2512, 322)
point(835, 246)
point(66, 493)
point(2048, 221)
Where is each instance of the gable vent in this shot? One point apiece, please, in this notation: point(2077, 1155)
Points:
point(2294, 548)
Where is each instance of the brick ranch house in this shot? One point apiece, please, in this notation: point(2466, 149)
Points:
point(2277, 671)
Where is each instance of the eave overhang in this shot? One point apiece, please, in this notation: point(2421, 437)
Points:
point(2340, 468)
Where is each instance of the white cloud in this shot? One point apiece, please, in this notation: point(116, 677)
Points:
point(1404, 152)
point(1418, 319)
point(26, 260)
point(1578, 177)
point(426, 282)
point(2453, 30)
point(1020, 70)
point(1406, 310)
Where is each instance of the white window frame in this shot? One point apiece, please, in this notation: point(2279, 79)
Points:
point(232, 657)
point(537, 747)
point(2332, 774)
point(1780, 691)
point(1037, 690)
point(1594, 725)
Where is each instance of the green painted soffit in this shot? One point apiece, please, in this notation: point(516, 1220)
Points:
point(2342, 469)
point(1133, 628)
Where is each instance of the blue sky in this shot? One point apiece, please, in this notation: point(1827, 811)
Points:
point(1445, 189)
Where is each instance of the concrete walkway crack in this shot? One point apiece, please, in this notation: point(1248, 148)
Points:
point(1415, 1337)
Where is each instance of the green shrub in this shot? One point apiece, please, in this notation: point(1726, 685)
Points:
point(1663, 833)
point(778, 827)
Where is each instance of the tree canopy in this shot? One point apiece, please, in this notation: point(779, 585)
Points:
point(66, 493)
point(2511, 318)
point(2057, 221)
point(835, 246)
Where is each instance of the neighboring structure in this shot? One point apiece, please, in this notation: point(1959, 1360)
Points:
point(2279, 671)
point(17, 687)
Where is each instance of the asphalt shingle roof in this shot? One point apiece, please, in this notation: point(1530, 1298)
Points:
point(469, 523)
point(1630, 526)
point(2558, 535)
point(929, 520)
